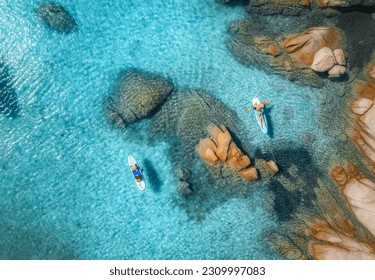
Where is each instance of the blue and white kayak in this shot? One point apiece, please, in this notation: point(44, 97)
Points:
point(263, 125)
point(137, 173)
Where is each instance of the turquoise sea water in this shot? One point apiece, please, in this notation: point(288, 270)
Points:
point(65, 189)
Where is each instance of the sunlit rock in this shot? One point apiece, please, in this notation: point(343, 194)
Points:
point(338, 240)
point(287, 55)
point(339, 56)
point(303, 47)
point(220, 148)
point(359, 192)
point(361, 106)
point(362, 130)
point(56, 17)
point(249, 174)
point(336, 71)
point(323, 60)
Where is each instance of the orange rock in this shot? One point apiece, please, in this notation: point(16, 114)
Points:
point(339, 56)
point(322, 3)
point(339, 175)
point(371, 72)
point(336, 71)
point(338, 240)
point(303, 47)
point(219, 147)
point(249, 174)
point(273, 50)
point(359, 193)
point(362, 130)
point(221, 138)
point(361, 106)
point(272, 166)
point(323, 60)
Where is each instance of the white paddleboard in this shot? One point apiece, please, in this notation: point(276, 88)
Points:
point(263, 126)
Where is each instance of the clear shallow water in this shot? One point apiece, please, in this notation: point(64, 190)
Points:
point(65, 191)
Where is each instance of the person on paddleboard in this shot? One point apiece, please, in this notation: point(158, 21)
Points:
point(259, 108)
point(137, 173)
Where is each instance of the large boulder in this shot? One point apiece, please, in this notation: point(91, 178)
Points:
point(137, 95)
point(359, 193)
point(56, 17)
point(362, 130)
point(303, 47)
point(337, 239)
point(220, 148)
point(288, 55)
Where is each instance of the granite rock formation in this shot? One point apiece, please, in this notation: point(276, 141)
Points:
point(359, 193)
point(337, 239)
point(56, 17)
point(341, 224)
point(137, 95)
point(362, 131)
point(290, 55)
point(220, 148)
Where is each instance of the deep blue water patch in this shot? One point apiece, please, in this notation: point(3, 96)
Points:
point(8, 99)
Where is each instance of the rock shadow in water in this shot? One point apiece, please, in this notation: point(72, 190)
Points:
point(293, 186)
point(8, 100)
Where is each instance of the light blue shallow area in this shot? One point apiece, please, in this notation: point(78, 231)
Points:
point(65, 189)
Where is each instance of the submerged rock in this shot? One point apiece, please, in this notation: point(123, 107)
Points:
point(184, 188)
point(187, 114)
point(56, 17)
point(285, 7)
point(137, 95)
point(183, 174)
point(345, 3)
